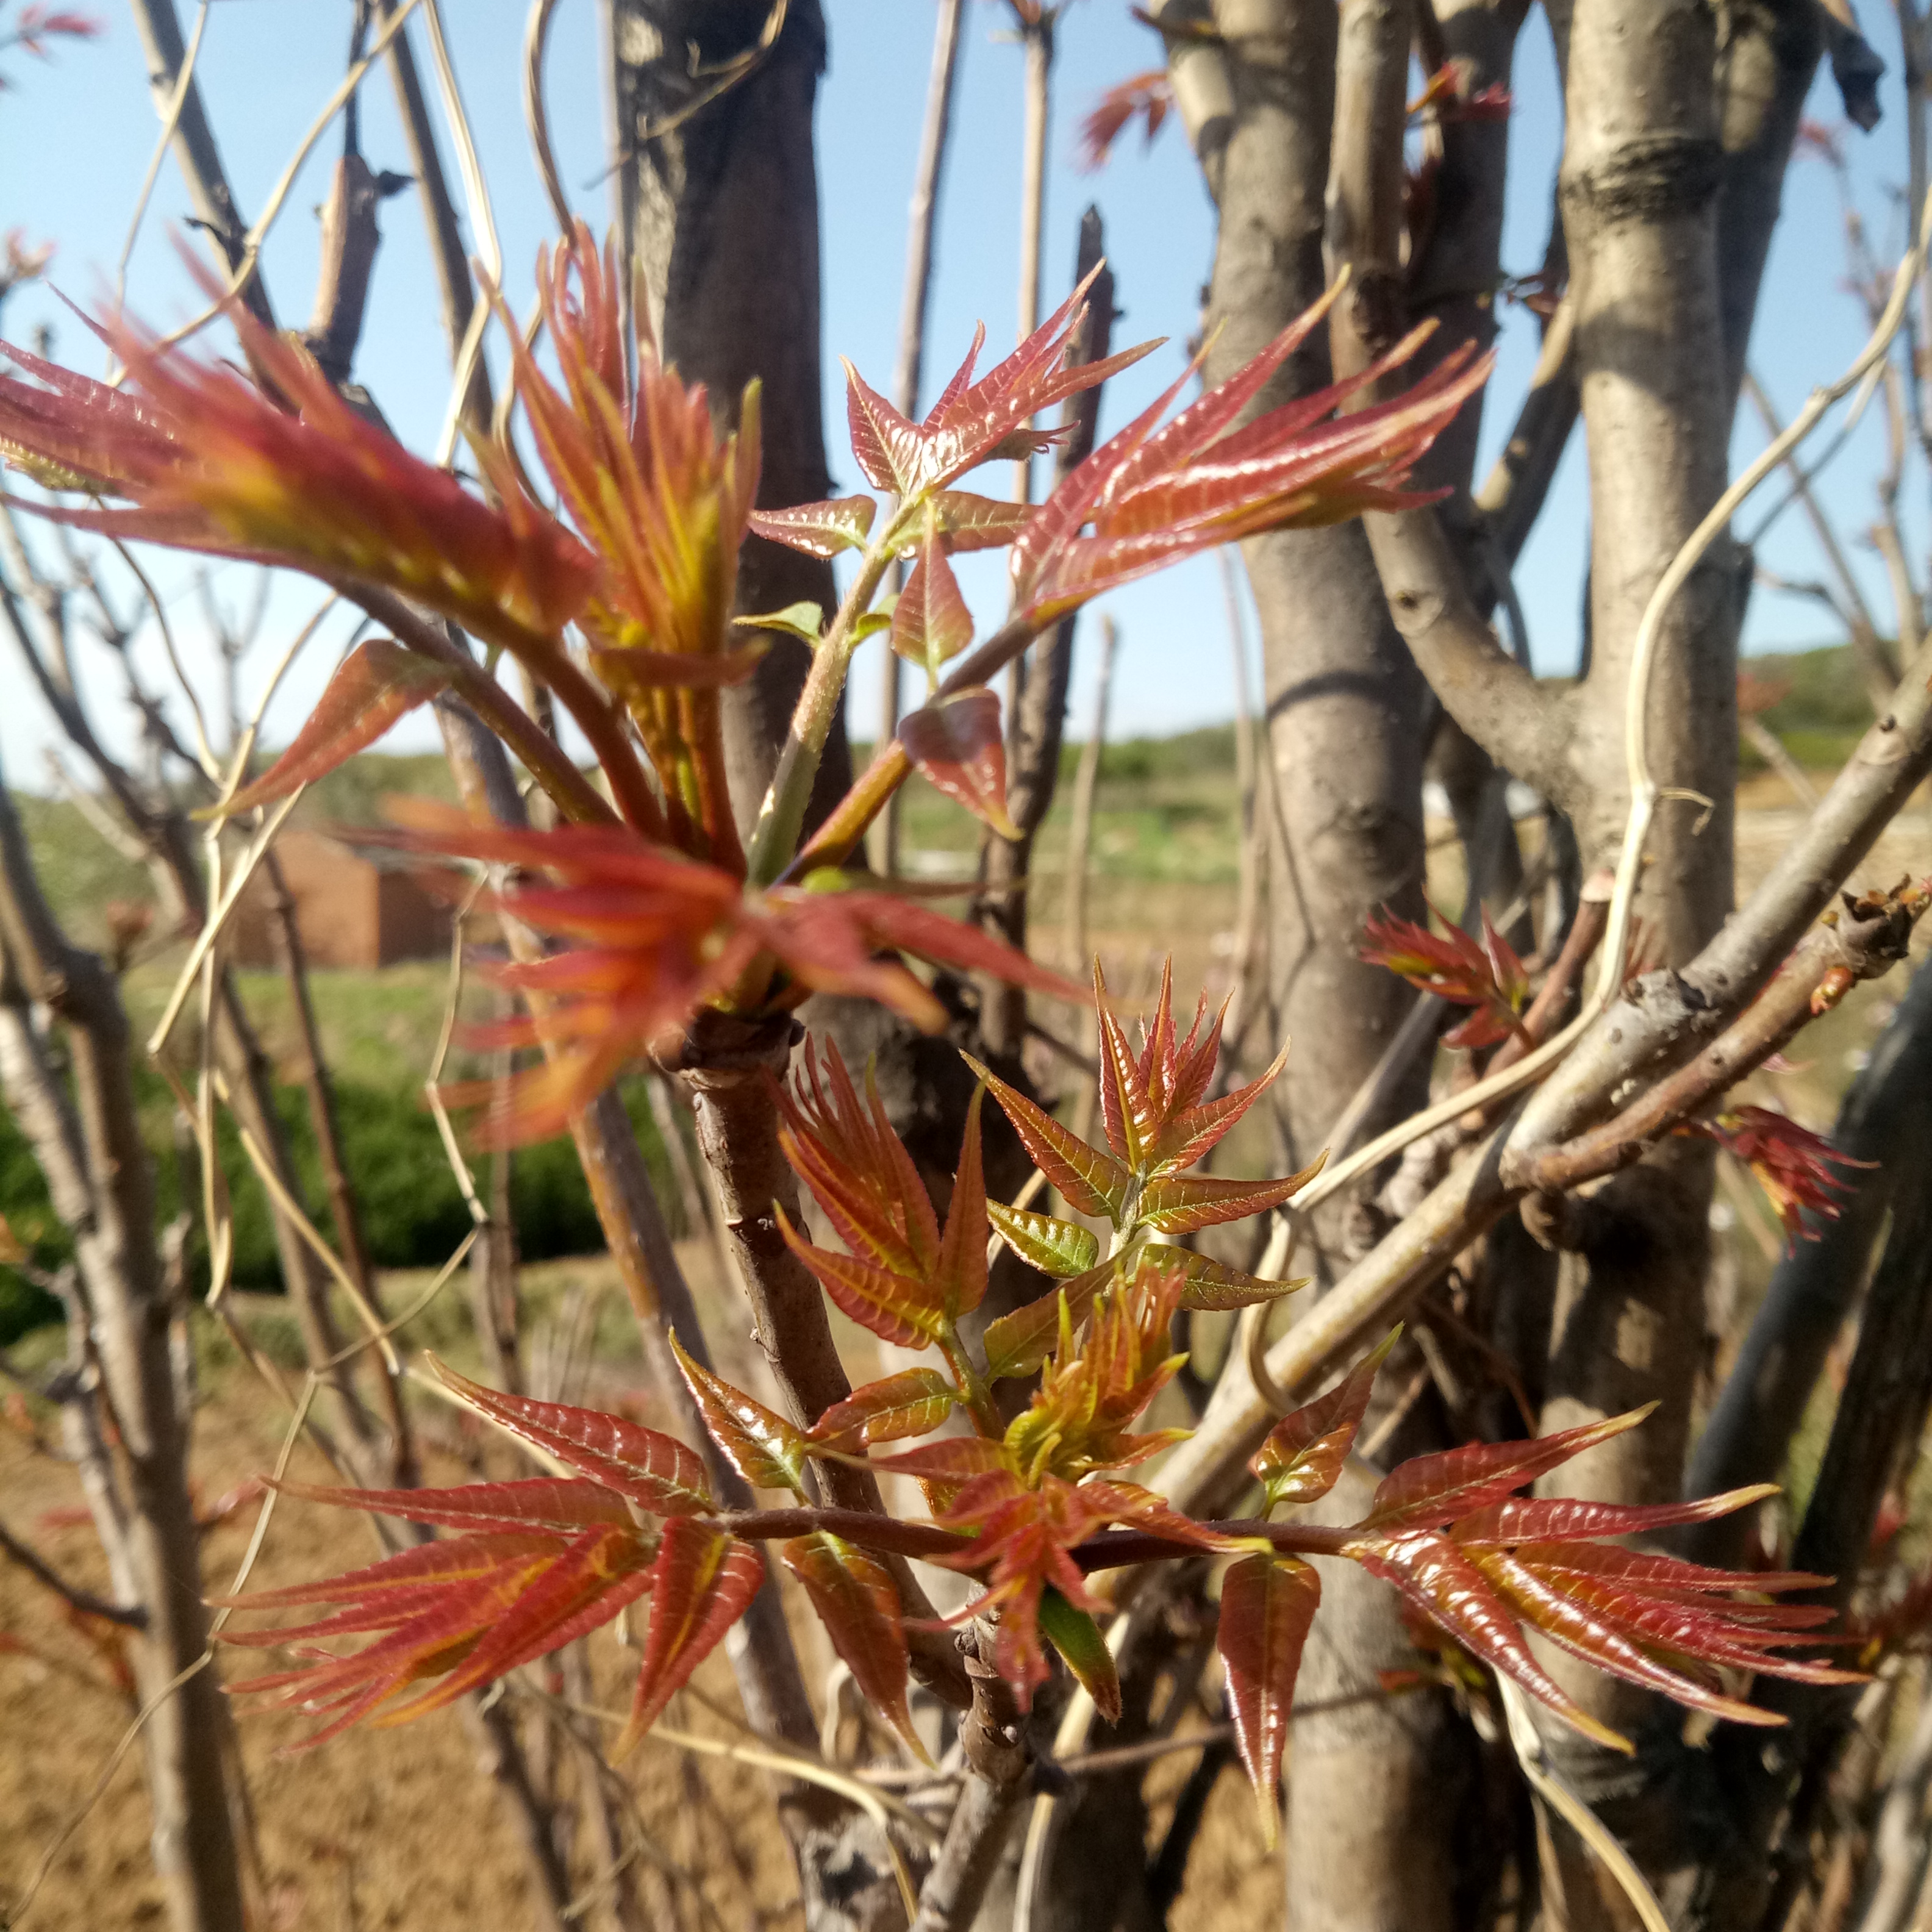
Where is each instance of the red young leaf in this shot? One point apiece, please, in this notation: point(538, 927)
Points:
point(1535, 1597)
point(1427, 1491)
point(845, 1150)
point(1154, 493)
point(1305, 1451)
point(377, 683)
point(1147, 96)
point(819, 530)
point(968, 522)
point(1177, 1203)
point(541, 1502)
point(1193, 1133)
point(702, 1583)
point(886, 446)
point(1213, 1285)
point(896, 1308)
point(411, 1575)
point(1092, 1182)
point(1268, 1604)
point(859, 1605)
point(931, 623)
point(1061, 1248)
point(1485, 974)
point(913, 1402)
point(1666, 1575)
point(953, 1458)
point(477, 1605)
point(600, 1573)
point(959, 745)
point(1568, 1519)
point(1441, 1583)
point(961, 1276)
point(1792, 1164)
point(656, 1471)
point(768, 1451)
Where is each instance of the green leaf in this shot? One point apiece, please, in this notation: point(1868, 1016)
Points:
point(1061, 1248)
point(767, 1450)
point(1078, 1639)
point(805, 620)
point(873, 621)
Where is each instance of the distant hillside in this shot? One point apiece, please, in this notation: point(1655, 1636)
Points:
point(1823, 714)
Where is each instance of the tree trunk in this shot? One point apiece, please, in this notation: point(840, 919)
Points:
point(1639, 193)
point(722, 215)
point(1372, 1795)
point(89, 1147)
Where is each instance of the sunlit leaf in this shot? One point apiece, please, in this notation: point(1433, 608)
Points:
point(961, 1276)
point(1440, 1582)
point(1305, 1451)
point(1178, 1204)
point(1061, 1248)
point(958, 745)
point(655, 1471)
point(1213, 1285)
point(767, 1450)
point(543, 1502)
point(702, 1583)
point(895, 1307)
point(859, 1605)
point(1429, 1490)
point(1567, 1519)
point(913, 1402)
point(819, 529)
point(969, 523)
point(1268, 1604)
point(1093, 1182)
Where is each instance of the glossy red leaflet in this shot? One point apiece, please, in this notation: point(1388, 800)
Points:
point(912, 1402)
point(1567, 1519)
point(657, 1471)
point(377, 684)
point(701, 1583)
point(1268, 1604)
point(859, 1605)
point(767, 1450)
point(1428, 1491)
point(538, 1502)
point(958, 747)
point(1092, 1182)
point(1305, 1451)
point(819, 530)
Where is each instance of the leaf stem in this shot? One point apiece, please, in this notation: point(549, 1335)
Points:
point(782, 816)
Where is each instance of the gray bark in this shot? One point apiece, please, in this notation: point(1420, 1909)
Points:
point(722, 212)
point(1346, 734)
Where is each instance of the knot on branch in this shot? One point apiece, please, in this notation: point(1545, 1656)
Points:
point(722, 1050)
point(1649, 178)
point(994, 1733)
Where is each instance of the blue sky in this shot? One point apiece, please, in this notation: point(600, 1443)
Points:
point(76, 133)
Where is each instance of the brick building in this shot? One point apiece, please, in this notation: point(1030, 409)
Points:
point(353, 907)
